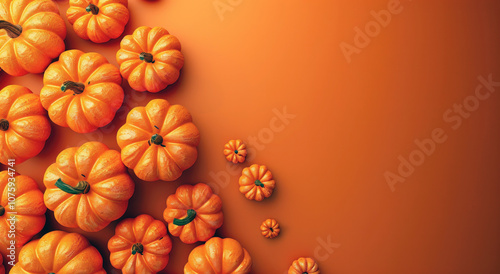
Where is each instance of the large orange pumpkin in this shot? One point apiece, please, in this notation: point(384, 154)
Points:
point(256, 182)
point(304, 266)
point(159, 141)
point(24, 126)
point(140, 245)
point(87, 187)
point(193, 213)
point(59, 252)
point(150, 59)
point(98, 20)
point(219, 256)
point(82, 91)
point(31, 34)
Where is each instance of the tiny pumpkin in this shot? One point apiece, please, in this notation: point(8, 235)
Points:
point(158, 141)
point(59, 252)
point(32, 33)
point(150, 59)
point(140, 245)
point(304, 265)
point(87, 187)
point(24, 126)
point(256, 182)
point(270, 228)
point(98, 20)
point(82, 91)
point(219, 256)
point(193, 213)
point(235, 151)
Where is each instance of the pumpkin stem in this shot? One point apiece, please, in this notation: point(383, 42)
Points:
point(2, 210)
point(137, 248)
point(83, 187)
point(236, 152)
point(12, 30)
point(258, 183)
point(92, 8)
point(157, 140)
point(77, 88)
point(191, 214)
point(146, 57)
point(4, 125)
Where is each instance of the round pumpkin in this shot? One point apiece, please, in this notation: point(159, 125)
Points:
point(59, 252)
point(140, 245)
point(82, 91)
point(235, 151)
point(193, 213)
point(219, 256)
point(150, 59)
point(98, 20)
point(256, 182)
point(31, 34)
point(159, 141)
point(24, 126)
point(87, 187)
point(270, 228)
point(304, 266)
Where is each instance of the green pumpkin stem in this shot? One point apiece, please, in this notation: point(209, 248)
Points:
point(2, 210)
point(258, 183)
point(146, 57)
point(83, 187)
point(77, 88)
point(191, 214)
point(92, 8)
point(137, 248)
point(157, 140)
point(4, 125)
point(13, 31)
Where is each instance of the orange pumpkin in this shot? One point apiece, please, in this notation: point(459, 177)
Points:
point(2, 268)
point(82, 91)
point(304, 265)
point(193, 213)
point(31, 34)
point(235, 151)
point(150, 59)
point(87, 187)
point(59, 252)
point(256, 182)
point(140, 245)
point(219, 256)
point(98, 20)
point(24, 126)
point(159, 141)
point(270, 228)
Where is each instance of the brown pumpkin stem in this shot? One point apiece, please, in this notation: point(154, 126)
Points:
point(12, 30)
point(146, 57)
point(258, 183)
point(83, 187)
point(137, 248)
point(2, 210)
point(157, 140)
point(92, 8)
point(4, 125)
point(77, 88)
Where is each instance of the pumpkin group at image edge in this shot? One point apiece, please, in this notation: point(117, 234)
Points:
point(256, 182)
point(193, 213)
point(158, 141)
point(82, 91)
point(32, 33)
point(87, 187)
point(2, 268)
point(140, 245)
point(98, 20)
point(59, 252)
point(304, 265)
point(150, 59)
point(24, 126)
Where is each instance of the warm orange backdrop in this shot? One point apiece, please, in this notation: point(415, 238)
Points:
point(352, 122)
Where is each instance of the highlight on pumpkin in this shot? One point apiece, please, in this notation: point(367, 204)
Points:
point(256, 182)
point(235, 151)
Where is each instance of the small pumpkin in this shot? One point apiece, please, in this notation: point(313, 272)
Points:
point(98, 20)
point(270, 228)
point(256, 182)
point(235, 151)
point(193, 213)
point(158, 141)
point(219, 256)
point(304, 265)
point(150, 59)
point(24, 126)
point(32, 33)
point(82, 91)
point(87, 187)
point(59, 252)
point(140, 245)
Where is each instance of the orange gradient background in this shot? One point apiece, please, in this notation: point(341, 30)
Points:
point(352, 122)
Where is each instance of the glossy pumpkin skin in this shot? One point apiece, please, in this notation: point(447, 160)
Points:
point(150, 59)
point(59, 252)
point(82, 91)
point(158, 141)
point(193, 213)
point(140, 245)
point(304, 265)
point(235, 151)
point(32, 33)
point(219, 256)
point(270, 228)
point(87, 187)
point(24, 126)
point(256, 182)
point(98, 20)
